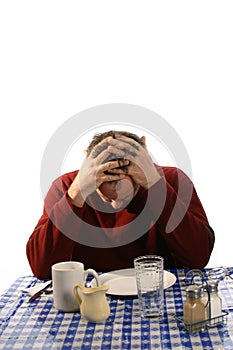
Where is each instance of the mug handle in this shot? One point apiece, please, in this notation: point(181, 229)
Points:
point(94, 274)
point(76, 293)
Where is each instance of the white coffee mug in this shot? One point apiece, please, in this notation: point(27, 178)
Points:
point(64, 276)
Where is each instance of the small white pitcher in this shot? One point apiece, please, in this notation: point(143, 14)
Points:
point(94, 306)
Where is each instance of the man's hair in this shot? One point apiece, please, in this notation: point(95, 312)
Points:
point(98, 137)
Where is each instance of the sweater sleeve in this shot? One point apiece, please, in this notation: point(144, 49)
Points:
point(48, 244)
point(182, 220)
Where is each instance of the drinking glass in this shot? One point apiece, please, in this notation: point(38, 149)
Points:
point(149, 271)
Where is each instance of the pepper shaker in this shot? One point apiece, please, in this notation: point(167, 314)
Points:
point(194, 309)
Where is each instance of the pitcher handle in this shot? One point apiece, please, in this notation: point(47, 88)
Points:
point(76, 293)
point(94, 274)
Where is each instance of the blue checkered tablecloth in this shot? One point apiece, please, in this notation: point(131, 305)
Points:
point(38, 325)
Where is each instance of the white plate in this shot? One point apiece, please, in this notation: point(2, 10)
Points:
point(123, 282)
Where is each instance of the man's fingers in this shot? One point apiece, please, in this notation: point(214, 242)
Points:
point(119, 170)
point(115, 165)
point(128, 141)
point(128, 148)
point(99, 149)
point(123, 163)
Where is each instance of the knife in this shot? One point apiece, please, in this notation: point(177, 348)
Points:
point(40, 291)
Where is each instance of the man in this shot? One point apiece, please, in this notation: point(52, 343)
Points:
point(120, 205)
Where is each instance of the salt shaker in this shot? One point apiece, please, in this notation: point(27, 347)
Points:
point(214, 308)
point(194, 309)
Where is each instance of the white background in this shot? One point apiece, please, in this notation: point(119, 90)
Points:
point(61, 57)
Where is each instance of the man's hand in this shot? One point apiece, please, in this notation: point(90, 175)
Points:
point(141, 167)
point(94, 172)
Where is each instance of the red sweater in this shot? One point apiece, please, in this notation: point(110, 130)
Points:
point(106, 240)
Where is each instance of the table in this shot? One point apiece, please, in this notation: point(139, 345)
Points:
point(38, 325)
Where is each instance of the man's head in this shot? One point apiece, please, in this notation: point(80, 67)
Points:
point(118, 193)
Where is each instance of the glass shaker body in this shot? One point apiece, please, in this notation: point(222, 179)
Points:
point(214, 308)
point(194, 310)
